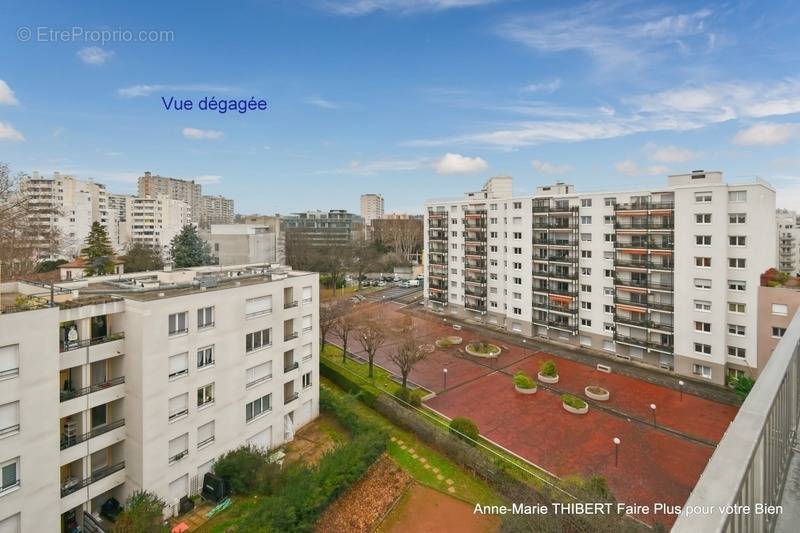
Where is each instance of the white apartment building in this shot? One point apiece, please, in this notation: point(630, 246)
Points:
point(216, 210)
point(371, 207)
point(235, 244)
point(142, 381)
point(788, 243)
point(156, 220)
point(68, 206)
point(175, 189)
point(120, 211)
point(667, 277)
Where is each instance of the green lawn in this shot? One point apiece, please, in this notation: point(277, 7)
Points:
point(240, 507)
point(381, 379)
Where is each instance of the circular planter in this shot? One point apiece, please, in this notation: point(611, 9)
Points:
point(469, 348)
point(447, 342)
point(548, 379)
point(526, 391)
point(575, 411)
point(597, 393)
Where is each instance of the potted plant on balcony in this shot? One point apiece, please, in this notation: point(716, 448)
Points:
point(574, 405)
point(524, 384)
point(597, 393)
point(548, 373)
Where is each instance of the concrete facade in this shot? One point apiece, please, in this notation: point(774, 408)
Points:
point(216, 210)
point(371, 207)
point(788, 242)
point(176, 189)
point(236, 244)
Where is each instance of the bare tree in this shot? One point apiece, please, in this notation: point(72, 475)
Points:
point(344, 324)
point(408, 353)
point(372, 332)
point(364, 257)
point(402, 236)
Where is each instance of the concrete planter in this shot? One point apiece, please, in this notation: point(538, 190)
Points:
point(468, 348)
point(447, 342)
point(526, 391)
point(575, 411)
point(597, 394)
point(548, 379)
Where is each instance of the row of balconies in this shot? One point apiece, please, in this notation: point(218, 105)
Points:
point(555, 208)
point(551, 306)
point(644, 264)
point(644, 206)
point(646, 224)
point(552, 241)
point(644, 283)
point(652, 245)
point(557, 273)
point(659, 346)
point(643, 322)
point(649, 303)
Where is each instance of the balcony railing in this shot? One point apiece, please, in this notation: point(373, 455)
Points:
point(571, 309)
point(555, 323)
point(650, 224)
point(642, 323)
point(74, 345)
point(641, 206)
point(292, 397)
point(750, 464)
point(178, 456)
point(68, 489)
point(644, 343)
point(645, 244)
point(68, 442)
point(75, 393)
point(555, 242)
point(559, 258)
point(438, 297)
point(292, 366)
point(290, 305)
point(290, 336)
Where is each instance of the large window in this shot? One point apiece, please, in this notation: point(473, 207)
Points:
point(307, 295)
point(9, 474)
point(9, 361)
point(307, 323)
point(258, 340)
point(737, 196)
point(178, 365)
point(178, 406)
point(178, 323)
point(205, 395)
point(306, 380)
point(178, 448)
point(258, 407)
point(9, 418)
point(702, 370)
point(205, 356)
point(258, 306)
point(258, 374)
point(205, 434)
point(205, 317)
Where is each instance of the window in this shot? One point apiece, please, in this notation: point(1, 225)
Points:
point(258, 374)
point(517, 251)
point(705, 327)
point(178, 406)
point(258, 306)
point(608, 309)
point(586, 305)
point(735, 285)
point(737, 240)
point(586, 271)
point(9, 471)
point(205, 434)
point(586, 288)
point(205, 317)
point(737, 218)
point(517, 281)
point(702, 218)
point(778, 332)
point(586, 254)
point(608, 326)
point(701, 348)
point(205, 395)
point(178, 365)
point(516, 310)
point(307, 323)
point(736, 329)
point(9, 361)
point(608, 273)
point(306, 380)
point(307, 352)
point(586, 202)
point(702, 197)
point(258, 407)
point(178, 448)
point(702, 240)
point(586, 322)
point(307, 295)
point(701, 370)
point(702, 305)
point(516, 205)
point(735, 351)
point(737, 196)
point(11, 524)
point(609, 237)
point(493, 234)
point(780, 309)
point(586, 220)
point(516, 220)
point(734, 307)
point(517, 266)
point(608, 291)
point(608, 219)
point(701, 283)
point(205, 357)
point(518, 235)
point(703, 262)
point(257, 340)
point(9, 419)
point(178, 323)
point(737, 262)
point(517, 296)
point(586, 237)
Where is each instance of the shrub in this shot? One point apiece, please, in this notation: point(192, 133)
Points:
point(444, 343)
point(143, 512)
point(412, 396)
point(742, 386)
point(464, 428)
point(548, 368)
point(573, 401)
point(522, 381)
point(240, 467)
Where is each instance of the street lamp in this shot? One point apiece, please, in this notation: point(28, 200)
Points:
point(653, 408)
point(444, 373)
point(616, 451)
point(681, 384)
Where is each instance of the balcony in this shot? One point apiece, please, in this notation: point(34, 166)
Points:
point(474, 238)
point(570, 309)
point(74, 485)
point(85, 343)
point(437, 214)
point(476, 292)
point(290, 305)
point(475, 265)
point(561, 259)
point(757, 455)
point(555, 323)
point(68, 442)
point(643, 323)
point(644, 343)
point(475, 304)
point(289, 336)
point(437, 285)
point(644, 225)
point(644, 206)
point(555, 242)
point(642, 283)
point(291, 366)
point(290, 398)
point(438, 297)
point(69, 394)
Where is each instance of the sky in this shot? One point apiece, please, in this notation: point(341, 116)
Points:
point(411, 99)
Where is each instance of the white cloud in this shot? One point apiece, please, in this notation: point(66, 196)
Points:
point(459, 164)
point(356, 8)
point(546, 87)
point(135, 91)
point(631, 168)
point(323, 103)
point(8, 133)
point(669, 154)
point(7, 96)
point(766, 134)
point(194, 133)
point(550, 168)
point(94, 55)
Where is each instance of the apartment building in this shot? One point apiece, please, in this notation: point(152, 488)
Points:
point(320, 228)
point(788, 243)
point(175, 189)
point(141, 381)
point(235, 244)
point(155, 220)
point(120, 211)
point(667, 277)
point(371, 207)
point(66, 206)
point(778, 303)
point(216, 210)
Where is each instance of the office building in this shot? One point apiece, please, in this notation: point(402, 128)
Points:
point(175, 189)
point(216, 210)
point(667, 277)
point(324, 228)
point(788, 243)
point(140, 381)
point(236, 244)
point(371, 208)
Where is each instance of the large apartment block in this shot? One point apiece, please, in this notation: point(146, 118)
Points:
point(216, 210)
point(140, 381)
point(667, 277)
point(176, 189)
point(788, 242)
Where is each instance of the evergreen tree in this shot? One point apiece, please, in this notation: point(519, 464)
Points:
point(98, 251)
point(187, 249)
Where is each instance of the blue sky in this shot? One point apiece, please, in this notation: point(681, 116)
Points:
point(411, 99)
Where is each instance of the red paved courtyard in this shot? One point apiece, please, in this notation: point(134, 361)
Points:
point(654, 465)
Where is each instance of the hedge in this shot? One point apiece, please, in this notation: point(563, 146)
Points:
point(464, 428)
point(411, 396)
point(346, 382)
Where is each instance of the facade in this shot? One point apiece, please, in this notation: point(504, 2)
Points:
point(321, 228)
point(156, 220)
point(120, 209)
point(67, 206)
point(778, 303)
point(216, 210)
point(175, 189)
point(788, 243)
point(667, 277)
point(236, 244)
point(371, 207)
point(143, 381)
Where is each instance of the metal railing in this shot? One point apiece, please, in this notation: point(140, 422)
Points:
point(66, 490)
point(290, 305)
point(290, 367)
point(751, 462)
point(68, 442)
point(74, 393)
point(67, 345)
point(291, 398)
point(290, 336)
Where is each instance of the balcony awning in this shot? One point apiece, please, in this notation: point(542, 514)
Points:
point(633, 250)
point(560, 299)
point(631, 308)
point(631, 289)
point(662, 252)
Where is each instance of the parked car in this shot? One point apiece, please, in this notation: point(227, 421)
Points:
point(406, 284)
point(413, 283)
point(381, 283)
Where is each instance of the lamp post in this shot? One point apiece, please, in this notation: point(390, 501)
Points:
point(444, 374)
point(681, 384)
point(616, 451)
point(653, 408)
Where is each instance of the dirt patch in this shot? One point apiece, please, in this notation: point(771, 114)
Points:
point(423, 510)
point(365, 503)
point(315, 439)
